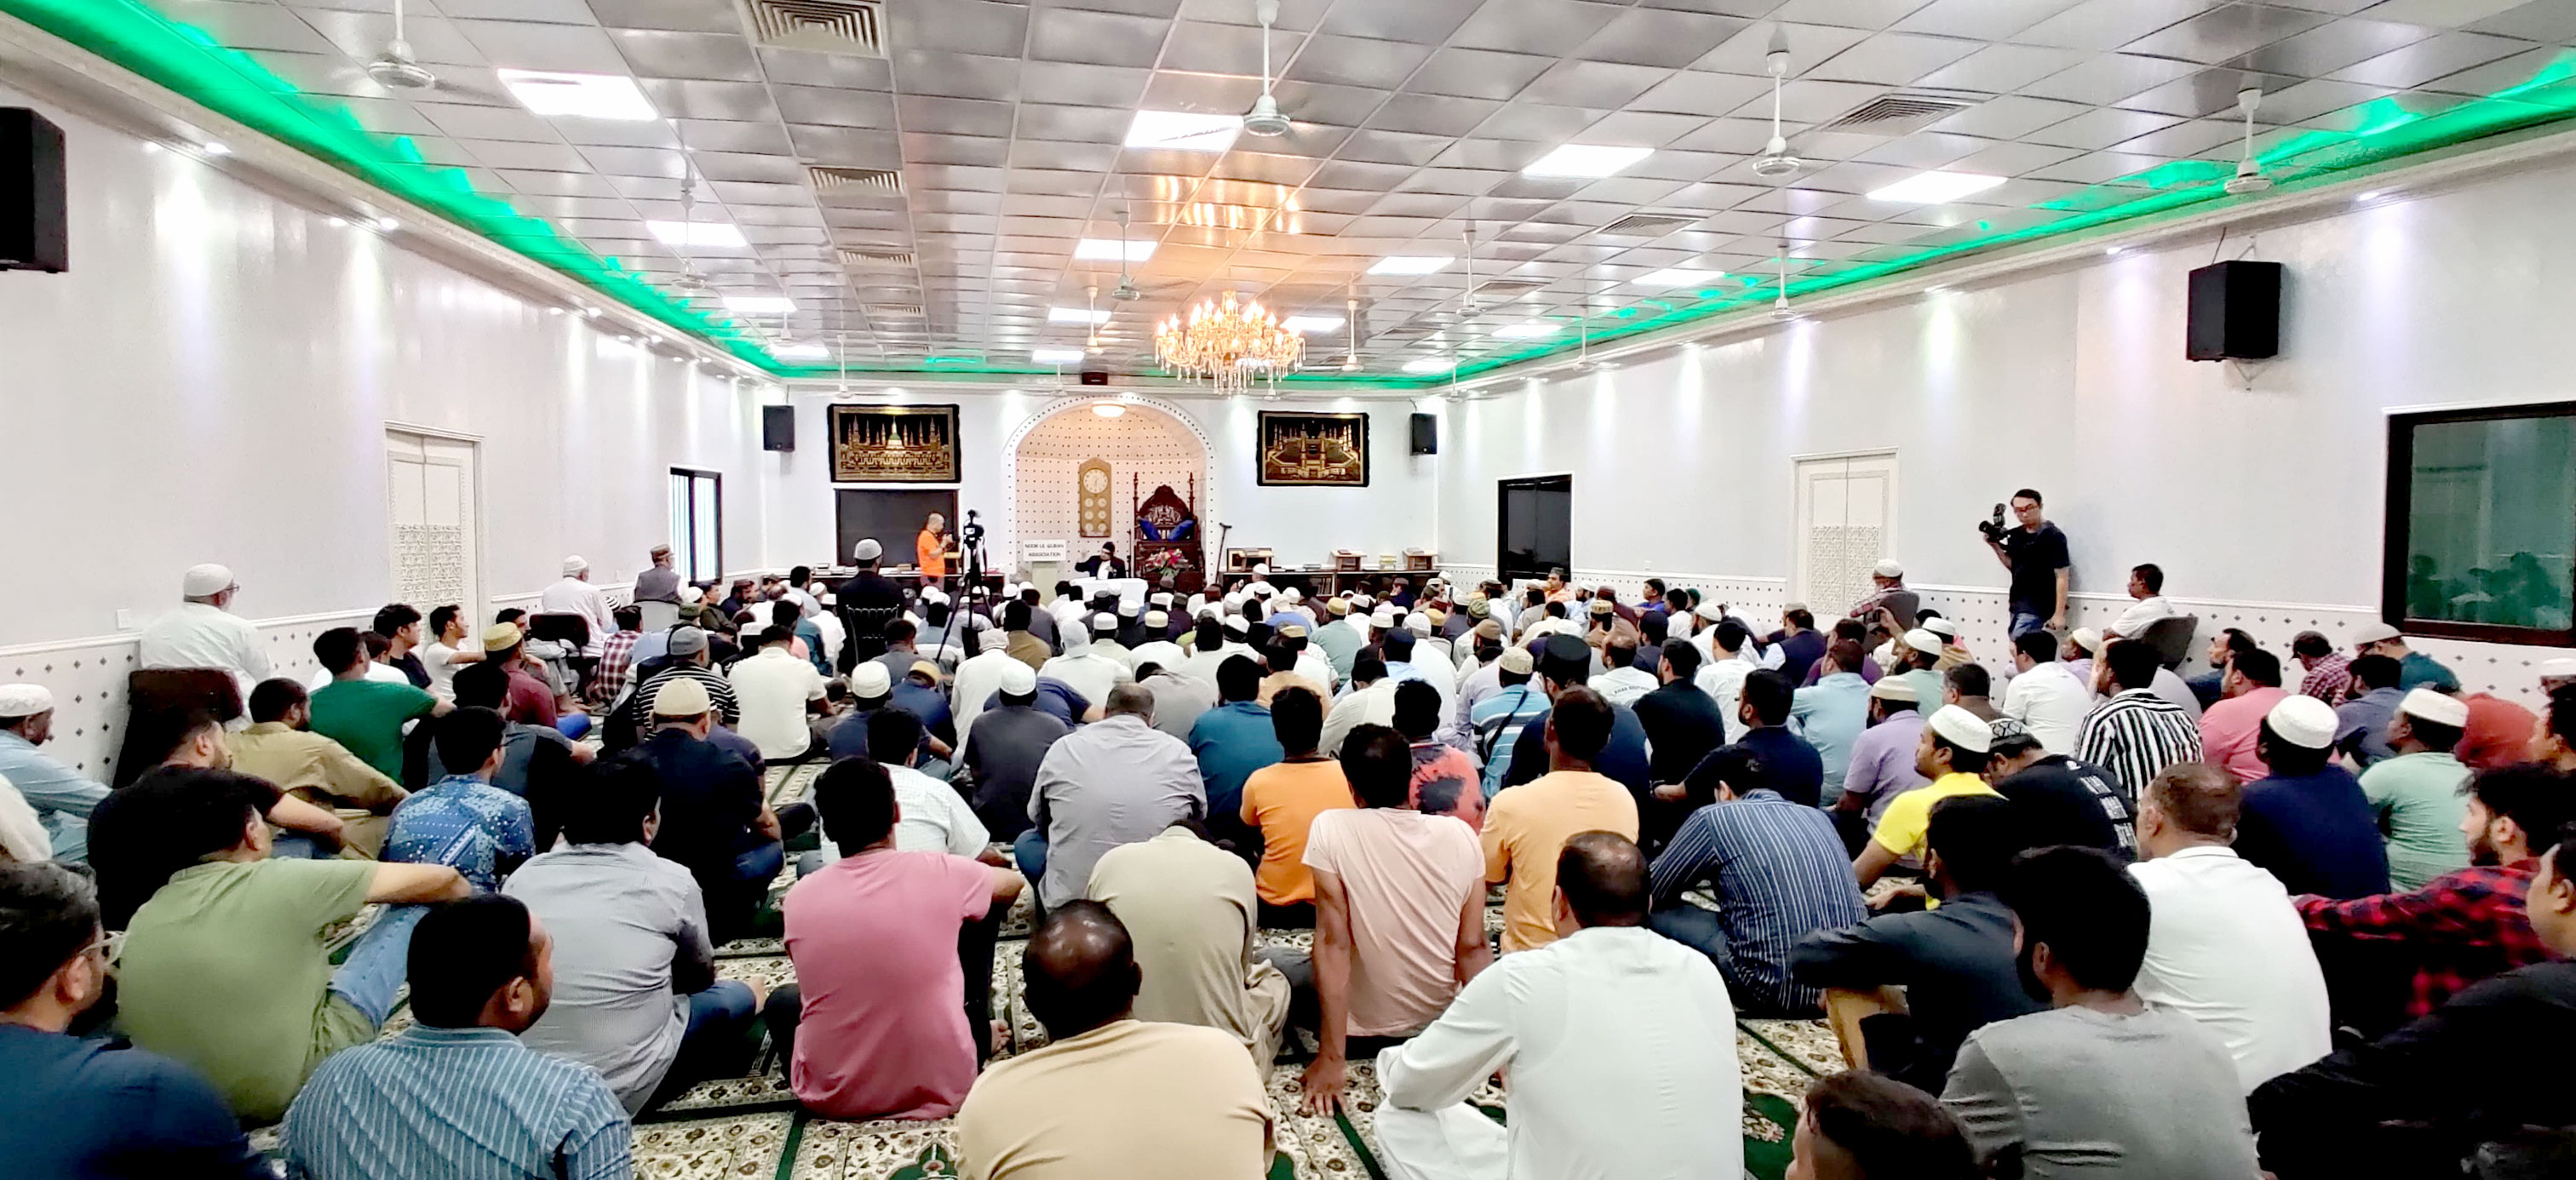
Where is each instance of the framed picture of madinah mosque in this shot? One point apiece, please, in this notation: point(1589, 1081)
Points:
point(1314, 450)
point(894, 444)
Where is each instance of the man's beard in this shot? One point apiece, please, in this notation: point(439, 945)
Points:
point(2482, 852)
point(2030, 983)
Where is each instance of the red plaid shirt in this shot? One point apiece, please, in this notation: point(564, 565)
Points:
point(616, 659)
point(2465, 926)
point(2331, 680)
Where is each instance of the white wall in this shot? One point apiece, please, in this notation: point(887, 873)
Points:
point(2260, 503)
point(1395, 512)
point(212, 379)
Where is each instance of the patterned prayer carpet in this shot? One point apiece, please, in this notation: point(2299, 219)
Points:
point(750, 1128)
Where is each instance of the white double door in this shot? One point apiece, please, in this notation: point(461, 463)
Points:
point(433, 521)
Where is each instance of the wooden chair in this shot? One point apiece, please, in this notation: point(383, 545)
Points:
point(1845, 1009)
point(2171, 638)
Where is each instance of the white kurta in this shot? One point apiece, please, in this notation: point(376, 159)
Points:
point(2226, 948)
point(196, 635)
point(572, 596)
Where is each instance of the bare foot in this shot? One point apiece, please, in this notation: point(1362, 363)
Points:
point(1001, 1035)
point(759, 985)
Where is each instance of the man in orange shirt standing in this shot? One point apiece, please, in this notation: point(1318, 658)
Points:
point(1527, 826)
point(930, 550)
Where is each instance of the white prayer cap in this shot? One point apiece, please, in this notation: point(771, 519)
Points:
point(1160, 598)
point(1888, 568)
point(1104, 621)
point(2303, 721)
point(24, 700)
point(2088, 639)
point(1019, 679)
point(867, 550)
point(1418, 623)
point(1233, 600)
point(2555, 670)
point(828, 598)
point(1362, 602)
point(1196, 602)
point(994, 640)
point(1517, 661)
point(1261, 569)
point(1238, 625)
point(1127, 608)
point(1962, 728)
point(575, 564)
point(870, 679)
point(205, 581)
point(933, 596)
point(1261, 590)
point(1158, 619)
point(1293, 594)
point(2436, 708)
point(1384, 619)
point(1893, 688)
point(691, 596)
point(1923, 641)
point(683, 696)
point(2376, 633)
point(1944, 628)
point(1710, 612)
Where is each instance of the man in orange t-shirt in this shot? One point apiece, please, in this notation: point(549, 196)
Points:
point(930, 549)
point(1528, 825)
point(1281, 801)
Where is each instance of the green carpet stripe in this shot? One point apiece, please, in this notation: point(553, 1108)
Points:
point(1792, 1058)
point(1368, 1159)
point(787, 1155)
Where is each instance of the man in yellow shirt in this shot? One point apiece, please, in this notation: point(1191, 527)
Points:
point(1527, 826)
point(1952, 753)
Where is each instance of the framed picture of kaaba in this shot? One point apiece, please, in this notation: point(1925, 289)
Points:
point(894, 444)
point(1314, 450)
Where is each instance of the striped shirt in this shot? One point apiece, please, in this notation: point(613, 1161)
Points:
point(1779, 872)
point(459, 1104)
point(2136, 735)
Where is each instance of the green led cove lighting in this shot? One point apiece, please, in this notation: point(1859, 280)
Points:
point(190, 62)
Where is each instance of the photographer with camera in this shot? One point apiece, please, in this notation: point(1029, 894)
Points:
point(2036, 555)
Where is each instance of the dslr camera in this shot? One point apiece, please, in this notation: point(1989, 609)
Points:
point(1994, 527)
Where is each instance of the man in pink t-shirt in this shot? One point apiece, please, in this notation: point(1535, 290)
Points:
point(2250, 687)
point(1400, 911)
point(875, 1027)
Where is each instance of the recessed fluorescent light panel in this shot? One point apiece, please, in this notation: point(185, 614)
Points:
point(1303, 324)
point(800, 352)
point(1433, 364)
point(759, 304)
point(1586, 160)
point(1411, 264)
point(697, 233)
point(1933, 188)
point(1679, 276)
point(586, 96)
point(1106, 250)
point(1076, 315)
point(1055, 356)
point(1531, 330)
point(1183, 131)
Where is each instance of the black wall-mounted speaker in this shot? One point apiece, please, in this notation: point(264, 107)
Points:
point(2235, 312)
point(1094, 377)
point(777, 428)
point(35, 232)
point(1426, 434)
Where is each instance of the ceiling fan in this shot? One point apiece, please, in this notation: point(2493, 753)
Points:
point(690, 285)
point(1126, 291)
point(1264, 120)
point(395, 68)
point(1775, 161)
point(2249, 176)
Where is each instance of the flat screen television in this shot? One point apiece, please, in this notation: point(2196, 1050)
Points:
point(1536, 518)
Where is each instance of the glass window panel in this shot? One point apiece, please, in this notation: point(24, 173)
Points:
point(2491, 521)
point(707, 553)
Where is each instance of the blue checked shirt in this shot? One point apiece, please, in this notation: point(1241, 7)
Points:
point(1779, 873)
point(467, 824)
point(458, 1104)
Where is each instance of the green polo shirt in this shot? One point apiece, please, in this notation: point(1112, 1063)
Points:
point(367, 716)
point(226, 971)
point(2418, 801)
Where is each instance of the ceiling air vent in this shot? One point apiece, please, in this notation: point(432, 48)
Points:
point(820, 26)
point(894, 310)
point(863, 181)
point(875, 259)
point(1898, 114)
point(1503, 287)
point(1646, 225)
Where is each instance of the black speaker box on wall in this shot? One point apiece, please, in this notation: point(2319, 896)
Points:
point(1426, 434)
point(2235, 312)
point(777, 428)
point(34, 232)
point(1095, 377)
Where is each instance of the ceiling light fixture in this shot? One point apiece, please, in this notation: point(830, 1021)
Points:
point(759, 304)
point(2116, 251)
point(213, 148)
point(1303, 324)
point(1108, 409)
point(1109, 250)
point(1678, 276)
point(1430, 364)
point(697, 233)
point(1186, 131)
point(1265, 120)
point(799, 352)
point(1229, 344)
point(2249, 178)
point(584, 96)
point(2369, 196)
point(1775, 162)
point(1075, 315)
point(1056, 356)
point(1530, 330)
point(1935, 187)
point(395, 68)
point(387, 225)
point(1411, 264)
point(1585, 160)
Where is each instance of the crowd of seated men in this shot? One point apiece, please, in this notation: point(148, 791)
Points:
point(2066, 912)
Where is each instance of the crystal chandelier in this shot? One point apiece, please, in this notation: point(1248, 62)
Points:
point(1230, 344)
